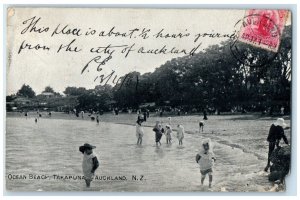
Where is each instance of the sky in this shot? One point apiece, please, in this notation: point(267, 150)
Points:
point(41, 68)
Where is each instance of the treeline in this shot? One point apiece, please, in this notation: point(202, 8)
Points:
point(212, 79)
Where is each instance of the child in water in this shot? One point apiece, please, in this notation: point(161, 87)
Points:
point(168, 134)
point(180, 134)
point(139, 131)
point(89, 163)
point(201, 126)
point(206, 158)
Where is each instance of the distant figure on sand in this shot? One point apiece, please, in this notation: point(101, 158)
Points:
point(204, 114)
point(35, 120)
point(89, 163)
point(161, 112)
point(26, 114)
point(276, 133)
point(168, 134)
point(82, 114)
point(49, 113)
point(282, 110)
point(180, 133)
point(139, 132)
point(116, 111)
point(158, 132)
point(169, 120)
point(201, 125)
point(145, 116)
point(206, 158)
point(97, 119)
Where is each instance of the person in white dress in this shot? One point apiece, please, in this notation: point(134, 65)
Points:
point(89, 163)
point(206, 158)
point(168, 134)
point(180, 134)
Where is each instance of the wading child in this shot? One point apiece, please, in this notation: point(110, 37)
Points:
point(139, 132)
point(201, 126)
point(168, 134)
point(89, 163)
point(169, 120)
point(206, 158)
point(180, 134)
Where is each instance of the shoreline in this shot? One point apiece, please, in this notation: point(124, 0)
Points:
point(235, 131)
point(130, 119)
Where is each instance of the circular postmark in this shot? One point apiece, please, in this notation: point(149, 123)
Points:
point(255, 39)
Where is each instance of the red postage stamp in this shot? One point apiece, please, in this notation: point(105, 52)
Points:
point(263, 28)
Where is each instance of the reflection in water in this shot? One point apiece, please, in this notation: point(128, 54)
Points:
point(159, 151)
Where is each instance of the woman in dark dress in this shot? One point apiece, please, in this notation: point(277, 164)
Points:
point(158, 133)
point(276, 133)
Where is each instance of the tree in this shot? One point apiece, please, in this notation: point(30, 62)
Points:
point(213, 78)
point(96, 99)
point(49, 89)
point(74, 91)
point(268, 86)
point(10, 98)
point(26, 91)
point(126, 92)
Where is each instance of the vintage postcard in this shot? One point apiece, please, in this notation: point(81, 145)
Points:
point(148, 100)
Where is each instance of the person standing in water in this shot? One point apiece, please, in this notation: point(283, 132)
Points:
point(158, 133)
point(169, 120)
point(201, 125)
point(180, 134)
point(206, 158)
point(139, 132)
point(89, 163)
point(168, 134)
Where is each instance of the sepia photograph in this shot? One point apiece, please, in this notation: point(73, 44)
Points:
point(148, 100)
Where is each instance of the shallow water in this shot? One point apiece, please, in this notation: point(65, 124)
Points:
point(50, 147)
